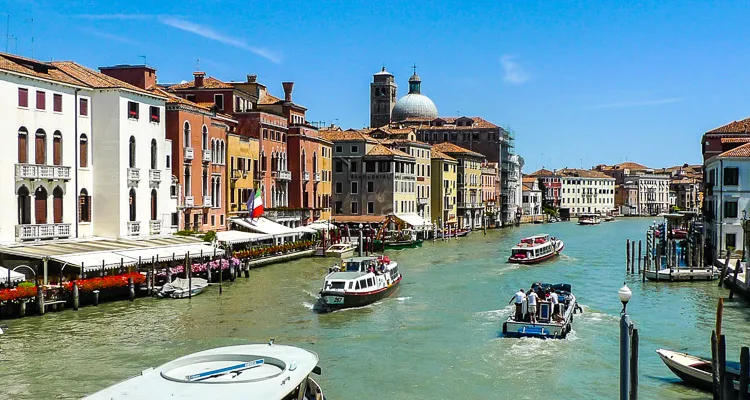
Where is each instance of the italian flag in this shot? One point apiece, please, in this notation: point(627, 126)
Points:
point(255, 204)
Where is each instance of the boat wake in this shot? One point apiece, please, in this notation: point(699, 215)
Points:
point(314, 296)
point(403, 298)
point(307, 305)
point(495, 316)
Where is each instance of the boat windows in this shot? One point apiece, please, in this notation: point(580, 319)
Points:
point(363, 284)
point(337, 285)
point(369, 282)
point(356, 287)
point(352, 266)
point(351, 284)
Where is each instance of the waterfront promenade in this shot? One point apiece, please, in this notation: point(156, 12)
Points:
point(438, 337)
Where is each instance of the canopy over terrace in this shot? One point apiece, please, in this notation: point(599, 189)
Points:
point(265, 226)
point(414, 220)
point(237, 237)
point(14, 276)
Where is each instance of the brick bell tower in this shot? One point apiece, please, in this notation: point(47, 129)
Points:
point(382, 98)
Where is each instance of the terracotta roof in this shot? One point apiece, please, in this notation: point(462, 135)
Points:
point(331, 129)
point(735, 139)
point(96, 79)
point(527, 187)
point(528, 179)
point(450, 148)
point(630, 165)
point(174, 99)
point(208, 83)
point(742, 126)
point(543, 172)
point(440, 155)
point(380, 150)
point(268, 99)
point(742, 151)
point(35, 68)
point(339, 136)
point(582, 173)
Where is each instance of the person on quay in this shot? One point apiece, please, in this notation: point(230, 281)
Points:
point(519, 298)
point(533, 299)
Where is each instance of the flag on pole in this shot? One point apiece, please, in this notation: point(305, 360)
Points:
point(250, 201)
point(255, 205)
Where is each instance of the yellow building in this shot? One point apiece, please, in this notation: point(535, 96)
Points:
point(242, 153)
point(443, 182)
point(469, 184)
point(326, 178)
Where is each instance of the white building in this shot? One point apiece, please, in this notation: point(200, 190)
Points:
point(727, 198)
point(584, 191)
point(513, 189)
point(653, 191)
point(532, 197)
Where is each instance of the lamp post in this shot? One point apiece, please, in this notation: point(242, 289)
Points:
point(361, 240)
point(625, 326)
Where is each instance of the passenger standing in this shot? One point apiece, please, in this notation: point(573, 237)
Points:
point(533, 299)
point(555, 302)
point(519, 298)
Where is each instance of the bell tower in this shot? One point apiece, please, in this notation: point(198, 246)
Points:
point(382, 98)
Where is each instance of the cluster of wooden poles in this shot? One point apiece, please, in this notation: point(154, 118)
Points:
point(725, 271)
point(633, 258)
point(723, 377)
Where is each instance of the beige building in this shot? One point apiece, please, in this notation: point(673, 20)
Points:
point(444, 188)
point(585, 191)
point(470, 210)
point(242, 153)
point(422, 156)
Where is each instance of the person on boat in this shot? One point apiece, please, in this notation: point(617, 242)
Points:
point(555, 300)
point(519, 298)
point(533, 298)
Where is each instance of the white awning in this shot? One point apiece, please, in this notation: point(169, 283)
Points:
point(14, 276)
point(92, 261)
point(235, 237)
point(414, 220)
point(265, 225)
point(320, 226)
point(241, 222)
point(304, 229)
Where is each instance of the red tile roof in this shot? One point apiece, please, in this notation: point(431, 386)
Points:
point(340, 136)
point(543, 172)
point(380, 150)
point(174, 99)
point(35, 68)
point(96, 79)
point(528, 179)
point(735, 139)
point(742, 126)
point(450, 148)
point(582, 173)
point(738, 152)
point(268, 99)
point(440, 155)
point(208, 83)
point(630, 165)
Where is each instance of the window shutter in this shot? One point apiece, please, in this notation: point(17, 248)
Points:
point(40, 150)
point(84, 107)
point(40, 210)
point(57, 205)
point(57, 102)
point(83, 152)
point(57, 151)
point(23, 97)
point(40, 100)
point(23, 148)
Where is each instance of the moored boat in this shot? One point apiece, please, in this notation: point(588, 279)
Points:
point(695, 371)
point(255, 371)
point(535, 249)
point(550, 323)
point(341, 250)
point(181, 288)
point(360, 281)
point(589, 219)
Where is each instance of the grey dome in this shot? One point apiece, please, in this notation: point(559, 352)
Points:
point(414, 105)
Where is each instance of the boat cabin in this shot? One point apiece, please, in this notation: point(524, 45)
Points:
point(533, 247)
point(361, 274)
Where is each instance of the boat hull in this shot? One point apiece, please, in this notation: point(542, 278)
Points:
point(682, 274)
point(403, 245)
point(337, 301)
point(678, 364)
point(340, 255)
point(183, 294)
point(526, 261)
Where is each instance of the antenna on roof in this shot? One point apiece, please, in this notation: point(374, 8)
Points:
point(32, 35)
point(144, 59)
point(7, 32)
point(197, 64)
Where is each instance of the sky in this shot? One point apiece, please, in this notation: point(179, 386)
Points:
point(579, 82)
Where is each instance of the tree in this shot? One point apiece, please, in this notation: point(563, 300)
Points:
point(548, 205)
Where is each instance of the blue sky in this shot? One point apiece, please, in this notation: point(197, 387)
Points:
point(580, 82)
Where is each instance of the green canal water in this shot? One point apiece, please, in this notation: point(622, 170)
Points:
point(436, 338)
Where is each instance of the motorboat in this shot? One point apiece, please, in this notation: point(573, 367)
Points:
point(181, 288)
point(535, 249)
point(589, 219)
point(253, 371)
point(341, 250)
point(608, 218)
point(552, 220)
point(360, 281)
point(549, 324)
point(696, 371)
point(452, 233)
point(403, 239)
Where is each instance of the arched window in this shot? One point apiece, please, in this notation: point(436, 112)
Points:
point(223, 153)
point(213, 192)
point(217, 198)
point(24, 206)
point(57, 205)
point(315, 162)
point(188, 186)
point(214, 151)
point(131, 198)
point(302, 162)
point(83, 151)
point(153, 205)
point(57, 148)
point(186, 134)
point(23, 145)
point(84, 206)
point(131, 152)
point(40, 146)
point(40, 205)
point(153, 153)
point(205, 182)
point(204, 138)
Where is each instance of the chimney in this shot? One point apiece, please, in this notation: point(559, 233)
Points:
point(252, 78)
point(288, 86)
point(142, 76)
point(199, 78)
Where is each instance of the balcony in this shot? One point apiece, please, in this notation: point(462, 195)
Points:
point(188, 153)
point(305, 176)
point(423, 201)
point(154, 227)
point(469, 205)
point(189, 201)
point(42, 231)
point(237, 174)
point(206, 155)
point(34, 171)
point(154, 176)
point(134, 176)
point(286, 214)
point(207, 201)
point(283, 175)
point(316, 177)
point(134, 228)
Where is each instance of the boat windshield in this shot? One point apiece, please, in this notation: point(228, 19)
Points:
point(352, 266)
point(521, 253)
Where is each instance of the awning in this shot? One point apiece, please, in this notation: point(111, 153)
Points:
point(236, 237)
point(414, 220)
point(451, 221)
point(14, 276)
point(92, 261)
point(320, 226)
point(264, 225)
point(304, 229)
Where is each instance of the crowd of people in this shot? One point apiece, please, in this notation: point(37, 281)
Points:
point(532, 298)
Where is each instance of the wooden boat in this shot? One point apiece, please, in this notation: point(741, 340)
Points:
point(255, 371)
point(589, 219)
point(548, 325)
point(180, 288)
point(360, 281)
point(682, 274)
point(695, 371)
point(405, 239)
point(535, 249)
point(341, 250)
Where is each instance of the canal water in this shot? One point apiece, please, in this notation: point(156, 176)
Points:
point(438, 337)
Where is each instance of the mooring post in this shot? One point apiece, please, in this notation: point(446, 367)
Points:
point(221, 277)
point(744, 371)
point(734, 280)
point(76, 301)
point(634, 365)
point(639, 256)
point(189, 272)
point(627, 255)
point(724, 270)
point(722, 366)
point(715, 365)
point(40, 298)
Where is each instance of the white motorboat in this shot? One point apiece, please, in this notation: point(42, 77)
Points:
point(180, 288)
point(548, 323)
point(589, 219)
point(360, 281)
point(341, 250)
point(535, 249)
point(255, 371)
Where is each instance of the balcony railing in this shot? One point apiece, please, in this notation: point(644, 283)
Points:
point(305, 176)
point(34, 171)
point(206, 155)
point(189, 201)
point(188, 153)
point(134, 228)
point(276, 215)
point(469, 205)
point(316, 177)
point(422, 201)
point(206, 201)
point(284, 175)
point(42, 231)
point(154, 227)
point(154, 175)
point(237, 174)
point(134, 176)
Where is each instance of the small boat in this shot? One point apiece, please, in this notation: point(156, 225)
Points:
point(180, 288)
point(608, 218)
point(679, 233)
point(341, 250)
point(535, 249)
point(254, 371)
point(589, 219)
point(552, 220)
point(549, 324)
point(360, 281)
point(405, 239)
point(453, 233)
point(696, 371)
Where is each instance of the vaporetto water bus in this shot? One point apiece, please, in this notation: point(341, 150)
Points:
point(360, 281)
point(254, 371)
point(589, 219)
point(549, 324)
point(535, 249)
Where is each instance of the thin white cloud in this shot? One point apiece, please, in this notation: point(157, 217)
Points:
point(643, 103)
point(109, 36)
point(513, 73)
point(209, 33)
point(115, 17)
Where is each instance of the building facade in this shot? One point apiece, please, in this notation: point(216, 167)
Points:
point(470, 209)
point(532, 197)
point(423, 168)
point(491, 194)
point(242, 152)
point(444, 188)
point(585, 191)
point(552, 186)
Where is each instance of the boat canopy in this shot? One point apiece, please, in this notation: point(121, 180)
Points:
point(414, 220)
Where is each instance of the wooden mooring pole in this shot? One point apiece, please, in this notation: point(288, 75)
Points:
point(627, 255)
point(640, 255)
point(734, 279)
point(724, 269)
point(632, 257)
point(744, 371)
point(715, 366)
point(189, 272)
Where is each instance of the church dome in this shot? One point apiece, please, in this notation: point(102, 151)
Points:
point(414, 105)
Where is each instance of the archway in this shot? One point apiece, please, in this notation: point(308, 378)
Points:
point(24, 206)
point(40, 205)
point(57, 205)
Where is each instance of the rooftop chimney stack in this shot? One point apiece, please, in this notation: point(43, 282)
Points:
point(252, 78)
point(199, 78)
point(288, 86)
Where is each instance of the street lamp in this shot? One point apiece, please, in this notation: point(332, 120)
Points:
point(625, 328)
point(361, 240)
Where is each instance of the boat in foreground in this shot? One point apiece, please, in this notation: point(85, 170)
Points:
point(360, 281)
point(695, 371)
point(549, 324)
point(589, 219)
point(255, 371)
point(181, 288)
point(341, 250)
point(535, 249)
